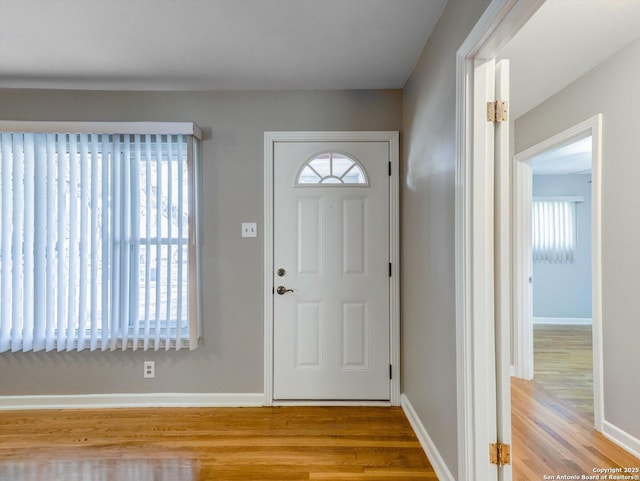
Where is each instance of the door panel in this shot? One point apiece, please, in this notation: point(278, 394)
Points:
point(308, 330)
point(308, 234)
point(331, 333)
point(354, 237)
point(355, 335)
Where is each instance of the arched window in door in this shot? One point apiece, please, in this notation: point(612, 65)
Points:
point(332, 168)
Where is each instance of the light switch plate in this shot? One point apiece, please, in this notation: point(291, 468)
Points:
point(249, 229)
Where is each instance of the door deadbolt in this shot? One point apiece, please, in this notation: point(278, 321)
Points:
point(283, 290)
point(281, 272)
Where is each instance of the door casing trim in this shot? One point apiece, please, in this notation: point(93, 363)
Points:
point(474, 257)
point(392, 138)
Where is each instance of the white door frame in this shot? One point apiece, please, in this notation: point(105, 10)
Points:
point(392, 137)
point(522, 199)
point(474, 231)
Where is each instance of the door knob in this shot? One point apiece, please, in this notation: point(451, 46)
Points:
point(283, 290)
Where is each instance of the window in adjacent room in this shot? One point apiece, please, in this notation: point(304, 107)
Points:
point(98, 236)
point(554, 229)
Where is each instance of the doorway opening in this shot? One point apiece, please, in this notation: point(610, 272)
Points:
point(561, 275)
point(557, 278)
point(486, 253)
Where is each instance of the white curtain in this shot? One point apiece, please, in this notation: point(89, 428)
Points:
point(95, 250)
point(554, 231)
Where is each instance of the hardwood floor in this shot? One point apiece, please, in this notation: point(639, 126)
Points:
point(550, 437)
point(552, 416)
point(256, 444)
point(563, 363)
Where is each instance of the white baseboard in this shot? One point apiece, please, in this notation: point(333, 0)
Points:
point(622, 438)
point(512, 370)
point(574, 321)
point(332, 403)
point(96, 401)
point(438, 464)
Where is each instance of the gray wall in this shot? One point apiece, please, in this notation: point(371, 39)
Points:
point(428, 274)
point(610, 89)
point(230, 360)
point(564, 290)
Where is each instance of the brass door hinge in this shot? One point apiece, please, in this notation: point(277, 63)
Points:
point(500, 454)
point(497, 111)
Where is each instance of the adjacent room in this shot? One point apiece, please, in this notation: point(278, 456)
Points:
point(567, 145)
point(562, 337)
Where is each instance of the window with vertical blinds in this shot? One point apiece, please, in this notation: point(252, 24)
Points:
point(98, 237)
point(554, 229)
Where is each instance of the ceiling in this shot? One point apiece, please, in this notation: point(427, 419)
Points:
point(564, 40)
point(574, 158)
point(213, 44)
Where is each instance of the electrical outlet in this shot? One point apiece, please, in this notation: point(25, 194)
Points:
point(249, 229)
point(149, 369)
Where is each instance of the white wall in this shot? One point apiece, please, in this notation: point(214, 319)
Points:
point(611, 89)
point(427, 237)
point(564, 290)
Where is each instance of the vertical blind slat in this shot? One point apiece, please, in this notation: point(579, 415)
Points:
point(40, 241)
point(125, 264)
point(51, 242)
point(193, 165)
point(170, 237)
point(94, 199)
point(83, 239)
point(180, 165)
point(73, 242)
point(147, 262)
point(18, 238)
point(4, 304)
point(135, 236)
point(28, 242)
point(6, 173)
point(158, 275)
point(61, 293)
point(116, 245)
point(106, 243)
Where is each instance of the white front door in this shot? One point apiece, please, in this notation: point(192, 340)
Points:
point(331, 256)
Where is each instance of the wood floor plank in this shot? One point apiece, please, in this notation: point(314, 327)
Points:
point(293, 443)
